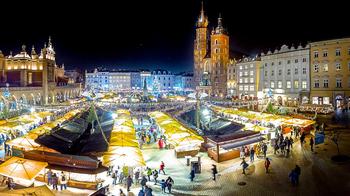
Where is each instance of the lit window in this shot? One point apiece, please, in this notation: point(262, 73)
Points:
point(251, 80)
point(246, 88)
point(316, 83)
point(240, 80)
point(240, 73)
point(241, 87)
point(289, 84)
point(325, 67)
point(316, 68)
point(252, 73)
point(251, 88)
point(338, 83)
point(245, 80)
point(240, 67)
point(304, 85)
point(316, 54)
point(337, 52)
point(279, 84)
point(337, 66)
point(272, 84)
point(325, 53)
point(325, 83)
point(296, 84)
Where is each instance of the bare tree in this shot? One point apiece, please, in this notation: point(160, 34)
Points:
point(335, 137)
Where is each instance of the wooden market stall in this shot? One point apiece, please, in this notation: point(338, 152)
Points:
point(186, 142)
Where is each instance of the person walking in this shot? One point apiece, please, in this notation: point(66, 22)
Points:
point(297, 170)
point(161, 168)
point(129, 182)
point(292, 176)
point(143, 182)
point(267, 165)
point(155, 176)
point(163, 185)
point(169, 183)
point(244, 166)
point(121, 177)
point(214, 171)
point(115, 177)
point(192, 175)
point(312, 144)
point(302, 139)
point(137, 176)
point(252, 152)
point(149, 173)
point(264, 149)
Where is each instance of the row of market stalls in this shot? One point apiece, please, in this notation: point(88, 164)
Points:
point(20, 125)
point(123, 150)
point(27, 141)
point(185, 141)
point(263, 122)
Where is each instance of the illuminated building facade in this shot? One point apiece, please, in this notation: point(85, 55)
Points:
point(231, 79)
point(35, 79)
point(248, 72)
point(330, 72)
point(211, 57)
point(287, 73)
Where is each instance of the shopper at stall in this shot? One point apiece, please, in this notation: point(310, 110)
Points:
point(267, 165)
point(129, 182)
point(63, 181)
point(49, 177)
point(115, 177)
point(169, 183)
point(54, 181)
point(161, 168)
point(312, 144)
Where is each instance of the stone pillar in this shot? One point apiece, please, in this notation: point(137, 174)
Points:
point(44, 78)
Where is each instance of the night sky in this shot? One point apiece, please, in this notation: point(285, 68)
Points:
point(159, 34)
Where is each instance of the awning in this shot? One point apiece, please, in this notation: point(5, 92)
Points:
point(22, 169)
point(39, 190)
point(242, 143)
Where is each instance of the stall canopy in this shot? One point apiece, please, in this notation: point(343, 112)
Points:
point(21, 168)
point(39, 190)
point(123, 149)
point(176, 133)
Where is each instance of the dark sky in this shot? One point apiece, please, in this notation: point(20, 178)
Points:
point(159, 34)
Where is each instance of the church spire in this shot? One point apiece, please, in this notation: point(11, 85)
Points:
point(219, 29)
point(202, 19)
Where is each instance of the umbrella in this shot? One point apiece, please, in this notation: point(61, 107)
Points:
point(21, 168)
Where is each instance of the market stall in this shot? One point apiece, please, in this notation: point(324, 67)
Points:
point(39, 190)
point(23, 171)
point(185, 141)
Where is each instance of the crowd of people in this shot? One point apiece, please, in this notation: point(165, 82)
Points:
point(56, 179)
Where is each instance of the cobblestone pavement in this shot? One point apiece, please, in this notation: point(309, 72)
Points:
point(319, 175)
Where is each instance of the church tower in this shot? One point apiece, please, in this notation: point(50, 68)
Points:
point(200, 46)
point(219, 59)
